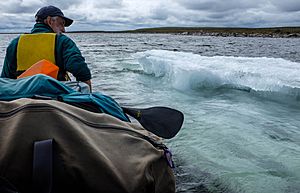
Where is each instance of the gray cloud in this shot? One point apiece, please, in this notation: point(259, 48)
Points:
point(104, 4)
point(64, 5)
point(217, 5)
point(18, 6)
point(160, 13)
point(287, 5)
point(132, 14)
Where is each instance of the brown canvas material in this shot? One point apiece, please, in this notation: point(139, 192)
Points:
point(92, 152)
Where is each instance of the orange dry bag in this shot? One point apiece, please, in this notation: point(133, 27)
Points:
point(41, 67)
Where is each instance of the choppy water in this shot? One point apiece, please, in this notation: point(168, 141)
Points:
point(240, 97)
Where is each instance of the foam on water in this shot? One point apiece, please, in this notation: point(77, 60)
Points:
point(245, 143)
point(188, 71)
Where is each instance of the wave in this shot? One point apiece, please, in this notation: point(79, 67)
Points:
point(188, 71)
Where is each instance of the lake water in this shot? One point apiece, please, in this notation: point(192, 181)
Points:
point(240, 98)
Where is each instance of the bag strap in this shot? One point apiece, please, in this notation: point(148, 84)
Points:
point(42, 166)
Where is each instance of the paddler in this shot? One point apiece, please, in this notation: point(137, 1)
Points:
point(46, 41)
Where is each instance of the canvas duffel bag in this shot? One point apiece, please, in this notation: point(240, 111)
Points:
point(91, 152)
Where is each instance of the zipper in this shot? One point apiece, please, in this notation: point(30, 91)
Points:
point(43, 107)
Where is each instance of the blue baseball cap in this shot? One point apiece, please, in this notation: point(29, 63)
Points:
point(52, 11)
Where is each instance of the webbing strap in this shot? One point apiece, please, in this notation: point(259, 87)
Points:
point(42, 166)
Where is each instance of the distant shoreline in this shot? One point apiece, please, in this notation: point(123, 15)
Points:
point(274, 32)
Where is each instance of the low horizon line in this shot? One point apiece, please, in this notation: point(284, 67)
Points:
point(174, 28)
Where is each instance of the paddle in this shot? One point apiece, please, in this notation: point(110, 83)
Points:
point(162, 121)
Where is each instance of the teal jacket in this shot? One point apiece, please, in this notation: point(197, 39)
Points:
point(67, 55)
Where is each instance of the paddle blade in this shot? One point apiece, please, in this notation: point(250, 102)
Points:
point(162, 121)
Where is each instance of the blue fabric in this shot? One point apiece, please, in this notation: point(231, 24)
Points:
point(43, 85)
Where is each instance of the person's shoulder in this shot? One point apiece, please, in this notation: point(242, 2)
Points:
point(14, 42)
point(64, 38)
point(16, 39)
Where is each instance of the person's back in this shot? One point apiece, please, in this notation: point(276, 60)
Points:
point(46, 41)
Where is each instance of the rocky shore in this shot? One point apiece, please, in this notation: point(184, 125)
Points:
point(278, 32)
point(235, 34)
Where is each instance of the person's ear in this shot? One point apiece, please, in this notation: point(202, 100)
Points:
point(48, 21)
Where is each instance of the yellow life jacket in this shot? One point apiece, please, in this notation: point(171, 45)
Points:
point(33, 48)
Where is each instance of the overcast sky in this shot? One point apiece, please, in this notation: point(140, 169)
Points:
point(18, 15)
